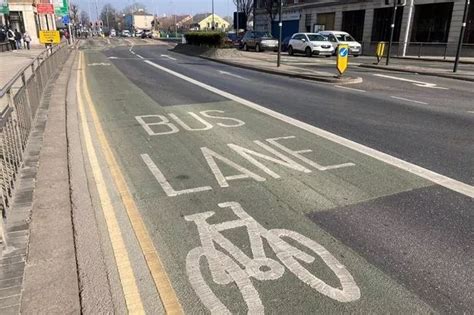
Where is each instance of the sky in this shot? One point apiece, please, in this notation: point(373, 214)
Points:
point(168, 7)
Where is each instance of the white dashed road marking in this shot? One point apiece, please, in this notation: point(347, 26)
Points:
point(408, 100)
point(417, 83)
point(348, 88)
point(169, 57)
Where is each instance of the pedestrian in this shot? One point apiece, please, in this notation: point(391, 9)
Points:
point(11, 38)
point(27, 39)
point(3, 34)
point(18, 39)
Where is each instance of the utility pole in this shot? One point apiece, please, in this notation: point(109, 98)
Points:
point(280, 26)
point(212, 15)
point(461, 35)
point(392, 30)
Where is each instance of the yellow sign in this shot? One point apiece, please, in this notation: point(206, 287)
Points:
point(379, 52)
point(342, 58)
point(49, 37)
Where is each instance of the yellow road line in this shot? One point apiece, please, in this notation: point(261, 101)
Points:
point(127, 277)
point(162, 282)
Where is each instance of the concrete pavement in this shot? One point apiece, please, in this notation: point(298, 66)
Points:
point(15, 61)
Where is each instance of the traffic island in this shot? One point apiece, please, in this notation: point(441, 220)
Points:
point(236, 58)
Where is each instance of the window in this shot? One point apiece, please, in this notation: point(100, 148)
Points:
point(345, 38)
point(307, 21)
point(431, 22)
point(353, 23)
point(298, 36)
point(469, 35)
point(316, 38)
point(381, 24)
point(326, 20)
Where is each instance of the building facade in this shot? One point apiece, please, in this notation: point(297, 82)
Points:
point(206, 23)
point(24, 17)
point(432, 23)
point(139, 20)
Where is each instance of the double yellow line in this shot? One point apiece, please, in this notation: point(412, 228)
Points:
point(127, 278)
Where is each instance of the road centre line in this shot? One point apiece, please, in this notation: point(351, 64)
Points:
point(169, 57)
point(162, 282)
point(417, 83)
point(127, 277)
point(434, 177)
point(408, 100)
point(348, 88)
point(233, 75)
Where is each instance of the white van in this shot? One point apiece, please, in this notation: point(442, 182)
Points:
point(338, 37)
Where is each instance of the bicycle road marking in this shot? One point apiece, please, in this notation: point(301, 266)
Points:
point(434, 177)
point(127, 277)
point(225, 270)
point(163, 285)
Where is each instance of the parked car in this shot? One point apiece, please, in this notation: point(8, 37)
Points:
point(285, 42)
point(259, 41)
point(113, 33)
point(338, 37)
point(126, 33)
point(233, 39)
point(310, 44)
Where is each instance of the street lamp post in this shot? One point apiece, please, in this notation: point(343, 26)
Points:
point(280, 27)
point(392, 30)
point(461, 36)
point(212, 15)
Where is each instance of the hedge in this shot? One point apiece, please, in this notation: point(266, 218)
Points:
point(210, 39)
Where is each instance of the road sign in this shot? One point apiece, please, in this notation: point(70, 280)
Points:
point(61, 7)
point(49, 37)
point(66, 19)
point(4, 7)
point(45, 8)
point(380, 51)
point(342, 58)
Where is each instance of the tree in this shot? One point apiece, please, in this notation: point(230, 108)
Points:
point(134, 7)
point(108, 16)
point(245, 6)
point(84, 18)
point(74, 12)
point(271, 7)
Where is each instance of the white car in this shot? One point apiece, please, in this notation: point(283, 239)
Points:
point(310, 44)
point(338, 37)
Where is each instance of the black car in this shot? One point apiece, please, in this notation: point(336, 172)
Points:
point(284, 43)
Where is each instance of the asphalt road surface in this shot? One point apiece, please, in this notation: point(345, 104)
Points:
point(228, 190)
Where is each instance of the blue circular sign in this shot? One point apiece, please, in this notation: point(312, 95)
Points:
point(343, 52)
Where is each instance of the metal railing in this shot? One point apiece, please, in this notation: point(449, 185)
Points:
point(19, 102)
point(421, 49)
